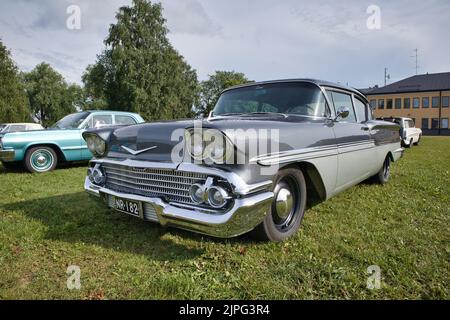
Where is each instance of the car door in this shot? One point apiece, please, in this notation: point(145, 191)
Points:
point(353, 140)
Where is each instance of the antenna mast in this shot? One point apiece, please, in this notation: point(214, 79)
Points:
point(416, 56)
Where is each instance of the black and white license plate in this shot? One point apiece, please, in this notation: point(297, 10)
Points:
point(127, 206)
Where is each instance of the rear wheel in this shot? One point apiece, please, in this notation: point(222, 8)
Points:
point(384, 174)
point(418, 141)
point(41, 159)
point(288, 207)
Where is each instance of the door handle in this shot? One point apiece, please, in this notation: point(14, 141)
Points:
point(365, 128)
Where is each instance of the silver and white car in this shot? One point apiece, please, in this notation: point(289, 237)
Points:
point(409, 134)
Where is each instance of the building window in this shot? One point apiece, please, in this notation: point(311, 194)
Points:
point(381, 104)
point(416, 103)
point(425, 102)
point(425, 123)
point(407, 103)
point(398, 103)
point(445, 102)
point(373, 104)
point(434, 123)
point(435, 102)
point(444, 123)
point(389, 104)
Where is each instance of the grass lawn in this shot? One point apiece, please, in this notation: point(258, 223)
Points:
point(48, 223)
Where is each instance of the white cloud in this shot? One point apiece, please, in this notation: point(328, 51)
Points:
point(266, 39)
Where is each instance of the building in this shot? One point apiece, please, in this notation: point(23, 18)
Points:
point(424, 98)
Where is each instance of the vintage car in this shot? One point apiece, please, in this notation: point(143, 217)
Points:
point(40, 151)
point(266, 153)
point(17, 127)
point(409, 134)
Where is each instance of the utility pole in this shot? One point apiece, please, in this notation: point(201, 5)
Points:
point(386, 76)
point(416, 56)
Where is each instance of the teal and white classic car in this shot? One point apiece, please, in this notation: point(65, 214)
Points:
point(41, 151)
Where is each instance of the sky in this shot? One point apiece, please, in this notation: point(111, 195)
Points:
point(265, 39)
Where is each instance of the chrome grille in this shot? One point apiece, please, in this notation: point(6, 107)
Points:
point(167, 184)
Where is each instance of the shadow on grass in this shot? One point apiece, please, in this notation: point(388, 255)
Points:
point(77, 218)
point(18, 167)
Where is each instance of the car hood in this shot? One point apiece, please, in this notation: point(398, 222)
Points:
point(164, 141)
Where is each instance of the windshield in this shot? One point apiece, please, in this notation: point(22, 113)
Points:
point(2, 126)
point(293, 98)
point(72, 121)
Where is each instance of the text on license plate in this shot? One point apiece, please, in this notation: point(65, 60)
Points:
point(127, 206)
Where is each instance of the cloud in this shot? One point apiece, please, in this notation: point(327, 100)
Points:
point(189, 17)
point(266, 39)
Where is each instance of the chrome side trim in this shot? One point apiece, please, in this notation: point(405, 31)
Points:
point(312, 153)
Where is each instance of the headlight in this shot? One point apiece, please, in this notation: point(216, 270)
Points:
point(96, 145)
point(209, 145)
point(217, 197)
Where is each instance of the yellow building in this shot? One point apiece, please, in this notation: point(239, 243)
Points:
point(424, 98)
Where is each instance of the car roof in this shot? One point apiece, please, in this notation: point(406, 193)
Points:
point(321, 83)
point(110, 111)
point(20, 124)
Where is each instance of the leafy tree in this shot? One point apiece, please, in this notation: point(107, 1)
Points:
point(94, 88)
point(211, 89)
point(139, 70)
point(51, 98)
point(13, 100)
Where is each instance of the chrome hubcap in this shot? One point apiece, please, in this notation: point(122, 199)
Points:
point(284, 203)
point(42, 160)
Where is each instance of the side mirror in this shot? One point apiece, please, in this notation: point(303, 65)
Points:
point(342, 113)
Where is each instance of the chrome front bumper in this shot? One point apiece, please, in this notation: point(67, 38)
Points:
point(248, 210)
point(7, 155)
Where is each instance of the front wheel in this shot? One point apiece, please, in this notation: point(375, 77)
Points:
point(41, 159)
point(288, 207)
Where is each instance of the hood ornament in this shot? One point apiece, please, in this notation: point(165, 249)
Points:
point(136, 152)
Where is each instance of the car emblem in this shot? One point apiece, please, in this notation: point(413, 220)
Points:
point(136, 152)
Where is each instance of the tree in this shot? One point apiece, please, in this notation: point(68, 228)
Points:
point(94, 88)
point(13, 100)
point(51, 98)
point(211, 89)
point(139, 70)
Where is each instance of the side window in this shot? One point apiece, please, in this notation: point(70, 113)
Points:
point(125, 120)
point(100, 121)
point(406, 124)
point(344, 100)
point(360, 108)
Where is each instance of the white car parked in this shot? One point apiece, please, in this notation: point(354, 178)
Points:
point(16, 127)
point(409, 134)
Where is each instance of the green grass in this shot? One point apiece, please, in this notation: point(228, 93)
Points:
point(47, 223)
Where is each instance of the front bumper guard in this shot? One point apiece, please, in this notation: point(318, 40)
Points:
point(245, 214)
point(7, 155)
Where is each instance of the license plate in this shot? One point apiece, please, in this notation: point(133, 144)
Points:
point(127, 206)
